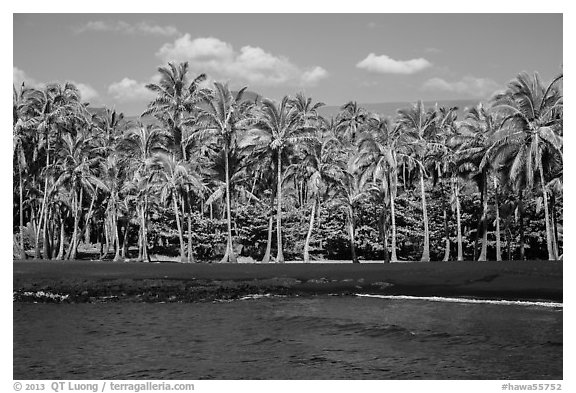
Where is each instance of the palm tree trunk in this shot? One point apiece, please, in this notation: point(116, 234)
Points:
point(178, 225)
point(280, 254)
point(447, 235)
point(145, 254)
point(268, 252)
point(89, 217)
point(42, 221)
point(74, 243)
point(498, 245)
point(190, 253)
point(384, 231)
point(125, 238)
point(309, 235)
point(484, 217)
point(21, 203)
point(46, 250)
point(426, 251)
point(393, 258)
point(351, 233)
point(229, 256)
point(116, 235)
point(554, 225)
point(521, 218)
point(62, 239)
point(458, 220)
point(551, 256)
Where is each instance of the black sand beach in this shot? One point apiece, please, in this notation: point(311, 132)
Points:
point(90, 281)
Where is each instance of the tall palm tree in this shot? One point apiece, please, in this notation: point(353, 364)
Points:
point(323, 170)
point(50, 110)
point(350, 120)
point(221, 122)
point(77, 173)
point(418, 124)
point(138, 146)
point(376, 161)
point(531, 132)
point(172, 176)
point(440, 161)
point(278, 126)
point(347, 197)
point(176, 99)
point(476, 129)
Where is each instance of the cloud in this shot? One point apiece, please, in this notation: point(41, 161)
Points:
point(386, 65)
point(314, 75)
point(19, 76)
point(129, 90)
point(250, 64)
point(432, 50)
point(140, 28)
point(468, 85)
point(87, 92)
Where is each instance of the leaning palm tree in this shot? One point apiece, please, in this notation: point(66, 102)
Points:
point(277, 126)
point(418, 125)
point(220, 122)
point(530, 132)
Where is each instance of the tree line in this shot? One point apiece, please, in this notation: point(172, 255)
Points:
point(203, 160)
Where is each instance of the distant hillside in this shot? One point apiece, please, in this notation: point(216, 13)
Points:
point(391, 108)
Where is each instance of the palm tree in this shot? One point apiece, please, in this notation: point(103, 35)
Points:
point(347, 197)
point(50, 110)
point(19, 137)
point(279, 127)
point(476, 130)
point(350, 121)
point(172, 177)
point(376, 161)
point(176, 100)
point(440, 161)
point(323, 170)
point(221, 121)
point(78, 175)
point(419, 124)
point(530, 132)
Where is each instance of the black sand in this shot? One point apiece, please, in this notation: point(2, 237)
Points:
point(90, 281)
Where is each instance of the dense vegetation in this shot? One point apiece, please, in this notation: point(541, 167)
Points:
point(208, 174)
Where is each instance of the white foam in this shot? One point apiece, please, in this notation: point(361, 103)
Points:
point(464, 300)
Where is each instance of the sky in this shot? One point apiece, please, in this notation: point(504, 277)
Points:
point(334, 58)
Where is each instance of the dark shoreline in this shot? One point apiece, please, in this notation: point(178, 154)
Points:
point(92, 281)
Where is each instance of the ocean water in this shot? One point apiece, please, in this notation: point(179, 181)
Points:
point(323, 337)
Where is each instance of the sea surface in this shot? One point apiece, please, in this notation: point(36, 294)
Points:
point(323, 337)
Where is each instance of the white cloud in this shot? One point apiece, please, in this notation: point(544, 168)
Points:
point(87, 92)
point(250, 64)
point(129, 90)
point(311, 77)
point(386, 65)
point(143, 28)
point(468, 85)
point(19, 76)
